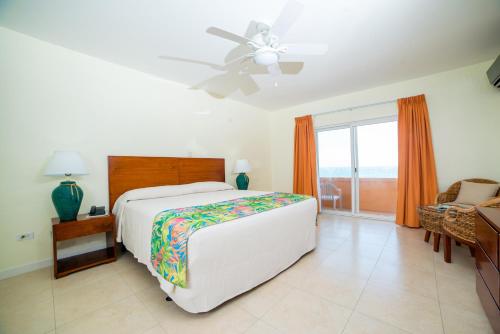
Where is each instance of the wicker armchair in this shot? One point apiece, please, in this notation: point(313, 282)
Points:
point(460, 223)
point(451, 194)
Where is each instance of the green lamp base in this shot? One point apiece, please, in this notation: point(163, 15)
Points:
point(242, 181)
point(67, 198)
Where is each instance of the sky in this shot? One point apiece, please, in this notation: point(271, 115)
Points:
point(377, 146)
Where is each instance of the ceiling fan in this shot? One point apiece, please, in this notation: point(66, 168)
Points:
point(263, 41)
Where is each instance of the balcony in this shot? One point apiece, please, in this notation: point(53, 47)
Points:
point(376, 195)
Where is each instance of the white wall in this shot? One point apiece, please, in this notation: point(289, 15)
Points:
point(465, 120)
point(53, 98)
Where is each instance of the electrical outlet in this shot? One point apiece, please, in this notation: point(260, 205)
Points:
point(25, 236)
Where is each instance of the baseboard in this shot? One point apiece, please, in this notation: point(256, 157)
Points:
point(25, 268)
point(67, 248)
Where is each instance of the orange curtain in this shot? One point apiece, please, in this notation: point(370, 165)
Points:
point(305, 180)
point(417, 181)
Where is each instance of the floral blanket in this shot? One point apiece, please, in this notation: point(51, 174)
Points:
point(172, 228)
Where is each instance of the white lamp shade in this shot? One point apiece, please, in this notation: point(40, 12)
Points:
point(66, 163)
point(242, 166)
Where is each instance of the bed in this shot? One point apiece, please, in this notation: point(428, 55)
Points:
point(223, 260)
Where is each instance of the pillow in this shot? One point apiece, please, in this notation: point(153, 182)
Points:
point(476, 193)
point(169, 191)
point(177, 190)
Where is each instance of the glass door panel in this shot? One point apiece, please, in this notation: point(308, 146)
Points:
point(377, 158)
point(335, 169)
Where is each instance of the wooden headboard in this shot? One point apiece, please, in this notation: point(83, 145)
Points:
point(127, 173)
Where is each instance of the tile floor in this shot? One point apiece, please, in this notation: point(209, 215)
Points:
point(365, 276)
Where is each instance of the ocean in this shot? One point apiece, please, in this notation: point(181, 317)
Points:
point(388, 172)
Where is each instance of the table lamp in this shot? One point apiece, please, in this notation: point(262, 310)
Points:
point(67, 197)
point(242, 167)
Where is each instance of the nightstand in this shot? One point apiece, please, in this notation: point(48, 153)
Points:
point(83, 226)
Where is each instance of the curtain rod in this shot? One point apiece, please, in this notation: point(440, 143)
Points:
point(355, 107)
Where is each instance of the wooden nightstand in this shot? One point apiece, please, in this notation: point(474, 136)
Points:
point(81, 227)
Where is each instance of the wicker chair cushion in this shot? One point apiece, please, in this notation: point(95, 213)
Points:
point(476, 193)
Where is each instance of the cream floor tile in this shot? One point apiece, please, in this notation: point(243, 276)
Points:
point(367, 238)
point(300, 312)
point(362, 324)
point(408, 233)
point(16, 289)
point(227, 318)
point(329, 223)
point(82, 278)
point(373, 234)
point(36, 279)
point(139, 278)
point(405, 278)
point(377, 226)
point(328, 283)
point(26, 303)
point(15, 298)
point(259, 300)
point(350, 264)
point(125, 261)
point(71, 304)
point(409, 244)
point(329, 240)
point(154, 300)
point(462, 266)
point(32, 315)
point(338, 234)
point(316, 256)
point(459, 292)
point(155, 330)
point(411, 312)
point(459, 321)
point(127, 316)
point(293, 276)
point(260, 327)
point(409, 257)
point(360, 249)
point(300, 270)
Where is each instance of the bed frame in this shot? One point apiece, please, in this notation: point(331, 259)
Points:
point(129, 172)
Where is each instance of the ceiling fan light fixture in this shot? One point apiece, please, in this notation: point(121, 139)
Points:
point(266, 58)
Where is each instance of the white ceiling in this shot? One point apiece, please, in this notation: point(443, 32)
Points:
point(370, 42)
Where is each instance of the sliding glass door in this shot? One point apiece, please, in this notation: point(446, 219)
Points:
point(357, 166)
point(335, 169)
point(377, 148)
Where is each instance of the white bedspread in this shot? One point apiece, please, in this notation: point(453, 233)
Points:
point(227, 259)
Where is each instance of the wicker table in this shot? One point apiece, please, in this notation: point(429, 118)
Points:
point(431, 219)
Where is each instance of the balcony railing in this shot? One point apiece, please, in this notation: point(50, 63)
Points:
point(376, 195)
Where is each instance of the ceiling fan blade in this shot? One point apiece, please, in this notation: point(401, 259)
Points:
point(252, 29)
point(237, 61)
point(228, 35)
point(248, 86)
point(219, 86)
point(287, 17)
point(291, 67)
point(223, 85)
point(305, 49)
point(274, 69)
point(193, 61)
point(237, 52)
